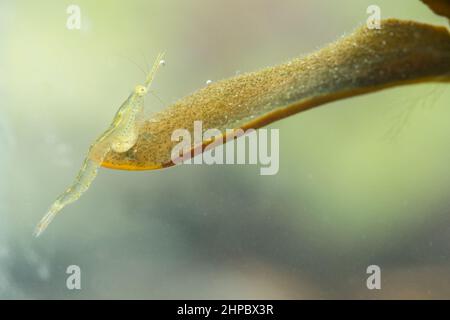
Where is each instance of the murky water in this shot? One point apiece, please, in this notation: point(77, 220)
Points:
point(344, 198)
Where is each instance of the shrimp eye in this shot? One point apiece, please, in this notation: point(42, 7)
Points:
point(140, 90)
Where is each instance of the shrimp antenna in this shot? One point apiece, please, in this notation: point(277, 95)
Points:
point(133, 62)
point(156, 65)
point(163, 103)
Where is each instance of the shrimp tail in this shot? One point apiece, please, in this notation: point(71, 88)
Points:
point(45, 221)
point(86, 175)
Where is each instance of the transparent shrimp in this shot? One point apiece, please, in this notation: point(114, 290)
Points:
point(120, 137)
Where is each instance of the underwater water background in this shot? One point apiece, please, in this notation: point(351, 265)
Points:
point(362, 181)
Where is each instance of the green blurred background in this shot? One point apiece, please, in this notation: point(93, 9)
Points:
point(362, 181)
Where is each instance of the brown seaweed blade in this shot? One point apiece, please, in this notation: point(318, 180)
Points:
point(440, 7)
point(401, 52)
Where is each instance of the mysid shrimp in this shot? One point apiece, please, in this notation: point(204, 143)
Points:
point(120, 137)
